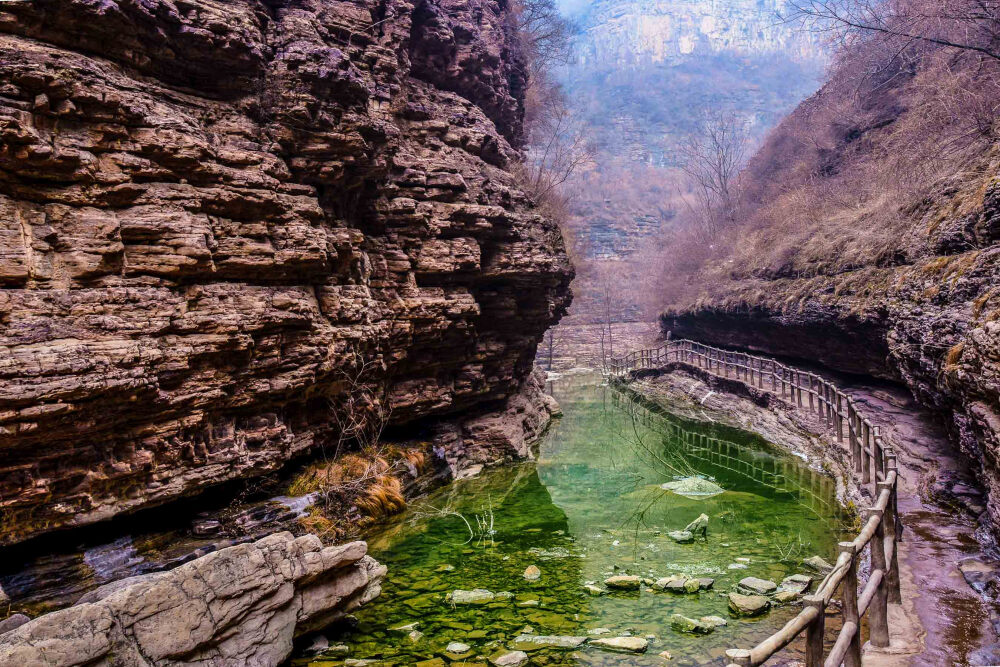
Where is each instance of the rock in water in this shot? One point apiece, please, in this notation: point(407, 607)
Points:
point(532, 573)
point(755, 586)
point(547, 641)
point(681, 536)
point(510, 659)
point(594, 590)
point(475, 596)
point(796, 583)
point(682, 623)
point(458, 648)
point(621, 644)
point(288, 585)
point(623, 582)
point(694, 487)
point(818, 564)
point(748, 605)
point(699, 525)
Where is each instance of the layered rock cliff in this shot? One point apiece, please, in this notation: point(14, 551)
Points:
point(224, 221)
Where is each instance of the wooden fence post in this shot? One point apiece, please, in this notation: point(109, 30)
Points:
point(878, 621)
point(815, 632)
point(849, 598)
point(840, 418)
point(866, 449)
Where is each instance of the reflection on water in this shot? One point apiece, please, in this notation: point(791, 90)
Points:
point(590, 507)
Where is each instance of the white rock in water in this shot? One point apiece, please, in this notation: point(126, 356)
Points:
point(532, 573)
point(458, 647)
point(621, 644)
point(510, 659)
point(475, 596)
point(694, 487)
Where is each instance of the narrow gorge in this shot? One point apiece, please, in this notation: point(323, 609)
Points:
point(359, 333)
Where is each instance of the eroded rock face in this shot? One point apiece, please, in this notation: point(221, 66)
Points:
point(238, 606)
point(218, 220)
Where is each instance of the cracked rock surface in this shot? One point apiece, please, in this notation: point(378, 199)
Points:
point(239, 606)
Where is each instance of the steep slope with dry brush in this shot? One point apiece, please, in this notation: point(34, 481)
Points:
point(868, 234)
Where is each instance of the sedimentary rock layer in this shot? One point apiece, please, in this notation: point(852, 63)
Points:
point(239, 606)
point(222, 222)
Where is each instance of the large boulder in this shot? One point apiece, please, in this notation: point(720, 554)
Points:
point(238, 606)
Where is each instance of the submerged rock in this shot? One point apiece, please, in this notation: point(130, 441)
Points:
point(457, 648)
point(532, 573)
point(694, 487)
point(594, 590)
point(475, 596)
point(818, 564)
point(623, 582)
point(621, 644)
point(682, 623)
point(510, 659)
point(547, 641)
point(748, 605)
point(210, 610)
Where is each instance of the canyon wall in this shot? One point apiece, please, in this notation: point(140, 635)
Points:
point(224, 221)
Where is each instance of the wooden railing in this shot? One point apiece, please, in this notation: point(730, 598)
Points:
point(872, 463)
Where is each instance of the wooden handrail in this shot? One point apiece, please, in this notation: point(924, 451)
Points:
point(873, 464)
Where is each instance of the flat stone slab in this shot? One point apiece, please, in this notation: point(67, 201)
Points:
point(623, 582)
point(547, 641)
point(681, 536)
point(594, 590)
point(475, 596)
point(458, 647)
point(796, 583)
point(756, 586)
point(748, 605)
point(621, 644)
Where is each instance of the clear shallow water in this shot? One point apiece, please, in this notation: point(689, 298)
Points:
point(589, 508)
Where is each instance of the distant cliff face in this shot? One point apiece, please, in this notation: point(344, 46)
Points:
point(632, 31)
point(222, 218)
point(646, 76)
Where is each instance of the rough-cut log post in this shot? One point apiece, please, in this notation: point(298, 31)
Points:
point(853, 425)
point(815, 632)
point(739, 657)
point(879, 452)
point(849, 598)
point(878, 614)
point(866, 449)
point(893, 528)
point(840, 417)
point(812, 386)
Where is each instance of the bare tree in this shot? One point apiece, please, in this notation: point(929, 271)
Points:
point(966, 25)
point(712, 159)
point(557, 145)
point(543, 35)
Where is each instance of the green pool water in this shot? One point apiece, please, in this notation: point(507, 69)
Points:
point(590, 507)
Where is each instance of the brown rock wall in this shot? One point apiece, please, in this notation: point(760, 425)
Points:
point(218, 218)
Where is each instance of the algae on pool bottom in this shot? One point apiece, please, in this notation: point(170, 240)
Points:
point(590, 508)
